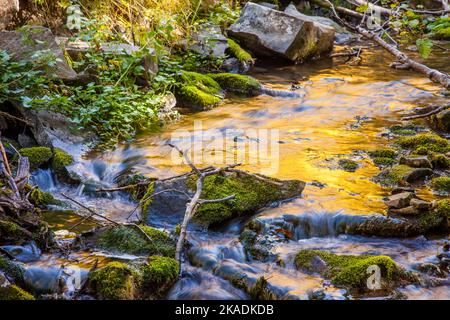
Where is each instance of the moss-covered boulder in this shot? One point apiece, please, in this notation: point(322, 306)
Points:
point(158, 275)
point(115, 281)
point(251, 194)
point(198, 92)
point(11, 232)
point(441, 184)
point(37, 156)
point(351, 271)
point(429, 222)
point(402, 175)
point(439, 161)
point(442, 120)
point(12, 270)
point(238, 84)
point(41, 198)
point(13, 292)
point(128, 239)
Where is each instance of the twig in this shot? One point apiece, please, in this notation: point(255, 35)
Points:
point(418, 116)
point(7, 115)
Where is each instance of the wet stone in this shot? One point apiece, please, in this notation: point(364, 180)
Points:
point(408, 211)
point(399, 200)
point(416, 162)
point(421, 204)
point(418, 174)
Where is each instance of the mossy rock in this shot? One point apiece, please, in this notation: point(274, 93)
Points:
point(384, 162)
point(198, 91)
point(405, 130)
point(237, 83)
point(250, 193)
point(441, 184)
point(351, 271)
point(115, 281)
point(159, 274)
point(13, 292)
point(434, 221)
point(126, 239)
point(443, 120)
point(11, 269)
point(348, 165)
point(396, 175)
point(236, 51)
point(439, 161)
point(60, 161)
point(12, 232)
point(37, 156)
point(428, 141)
point(41, 198)
point(255, 249)
point(383, 153)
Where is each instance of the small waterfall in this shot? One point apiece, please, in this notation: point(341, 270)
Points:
point(309, 225)
point(44, 179)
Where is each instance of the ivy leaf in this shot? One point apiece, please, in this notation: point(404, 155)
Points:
point(362, 8)
point(424, 46)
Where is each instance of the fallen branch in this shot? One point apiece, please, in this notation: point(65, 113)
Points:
point(195, 201)
point(433, 74)
point(428, 114)
point(7, 115)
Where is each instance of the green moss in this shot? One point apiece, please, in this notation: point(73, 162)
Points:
point(383, 153)
point(441, 184)
point(348, 165)
point(12, 270)
point(239, 53)
point(250, 193)
point(350, 270)
point(14, 293)
point(60, 161)
point(128, 240)
point(40, 198)
point(384, 161)
point(139, 180)
point(37, 156)
point(429, 141)
point(201, 81)
point(160, 273)
point(237, 83)
point(439, 161)
point(191, 96)
point(442, 208)
point(146, 201)
point(115, 281)
point(405, 130)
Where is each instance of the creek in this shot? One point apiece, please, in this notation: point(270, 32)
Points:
point(342, 114)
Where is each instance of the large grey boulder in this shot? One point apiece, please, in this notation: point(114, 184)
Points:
point(323, 24)
point(25, 44)
point(268, 32)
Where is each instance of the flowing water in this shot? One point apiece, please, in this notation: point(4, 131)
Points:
point(342, 113)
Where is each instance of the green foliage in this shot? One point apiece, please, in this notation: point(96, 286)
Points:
point(14, 293)
point(397, 174)
point(425, 47)
point(115, 281)
point(160, 272)
point(40, 198)
point(349, 270)
point(237, 83)
point(439, 161)
point(439, 28)
point(128, 240)
point(37, 156)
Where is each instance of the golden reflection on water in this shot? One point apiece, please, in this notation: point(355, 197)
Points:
point(315, 131)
